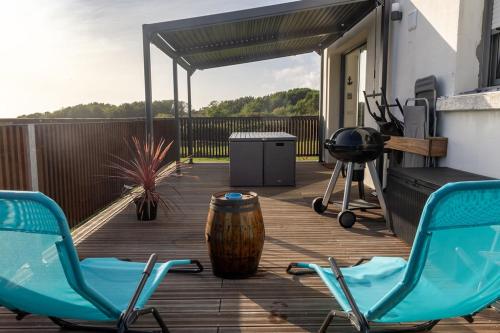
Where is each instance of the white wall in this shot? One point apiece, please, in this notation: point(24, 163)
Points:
point(471, 123)
point(365, 32)
point(444, 42)
point(474, 141)
point(427, 48)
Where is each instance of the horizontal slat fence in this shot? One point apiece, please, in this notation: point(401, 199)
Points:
point(210, 135)
point(73, 160)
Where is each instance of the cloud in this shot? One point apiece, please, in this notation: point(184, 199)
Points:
point(68, 52)
point(293, 72)
point(299, 76)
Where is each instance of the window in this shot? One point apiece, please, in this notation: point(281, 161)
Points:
point(494, 72)
point(495, 60)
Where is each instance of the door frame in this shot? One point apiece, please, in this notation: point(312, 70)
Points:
point(342, 80)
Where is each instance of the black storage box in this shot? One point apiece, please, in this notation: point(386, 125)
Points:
point(407, 192)
point(262, 159)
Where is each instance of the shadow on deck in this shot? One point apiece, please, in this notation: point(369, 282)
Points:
point(271, 301)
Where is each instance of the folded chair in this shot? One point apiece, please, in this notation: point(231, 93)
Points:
point(40, 272)
point(453, 269)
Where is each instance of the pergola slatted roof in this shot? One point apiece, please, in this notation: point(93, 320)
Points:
point(256, 34)
point(244, 36)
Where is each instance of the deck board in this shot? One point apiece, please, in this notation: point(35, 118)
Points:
point(271, 301)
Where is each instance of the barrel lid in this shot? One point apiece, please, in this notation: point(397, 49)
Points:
point(247, 197)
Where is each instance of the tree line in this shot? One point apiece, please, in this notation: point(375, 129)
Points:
point(294, 102)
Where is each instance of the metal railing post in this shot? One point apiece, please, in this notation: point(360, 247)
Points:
point(190, 119)
point(177, 118)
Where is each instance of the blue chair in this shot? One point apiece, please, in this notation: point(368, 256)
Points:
point(41, 274)
point(453, 269)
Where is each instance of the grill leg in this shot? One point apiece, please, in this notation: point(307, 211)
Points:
point(331, 184)
point(380, 193)
point(361, 189)
point(347, 188)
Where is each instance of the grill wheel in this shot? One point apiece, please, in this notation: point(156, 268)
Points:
point(346, 218)
point(318, 206)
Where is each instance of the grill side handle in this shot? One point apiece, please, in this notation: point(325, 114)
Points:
point(329, 144)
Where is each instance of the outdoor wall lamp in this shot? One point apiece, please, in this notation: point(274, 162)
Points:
point(396, 12)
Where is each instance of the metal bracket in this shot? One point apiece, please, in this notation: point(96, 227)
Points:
point(359, 321)
point(293, 269)
point(198, 269)
point(469, 318)
point(20, 315)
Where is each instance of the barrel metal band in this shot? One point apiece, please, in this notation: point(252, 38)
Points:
point(233, 209)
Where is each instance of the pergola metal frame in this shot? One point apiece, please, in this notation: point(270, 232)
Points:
point(154, 34)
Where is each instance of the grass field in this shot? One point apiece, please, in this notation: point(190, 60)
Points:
point(226, 159)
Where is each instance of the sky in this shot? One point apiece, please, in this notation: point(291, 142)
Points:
point(58, 53)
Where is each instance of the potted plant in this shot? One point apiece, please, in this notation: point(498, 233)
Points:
point(142, 170)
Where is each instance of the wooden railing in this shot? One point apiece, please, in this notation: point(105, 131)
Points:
point(210, 135)
point(71, 160)
point(14, 158)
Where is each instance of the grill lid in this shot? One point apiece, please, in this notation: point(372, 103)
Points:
point(356, 144)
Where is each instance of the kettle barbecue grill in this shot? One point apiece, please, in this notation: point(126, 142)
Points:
point(353, 146)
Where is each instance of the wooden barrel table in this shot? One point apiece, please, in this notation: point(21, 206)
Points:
point(235, 235)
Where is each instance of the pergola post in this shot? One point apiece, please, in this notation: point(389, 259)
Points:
point(332, 18)
point(384, 30)
point(321, 117)
point(190, 120)
point(176, 114)
point(148, 100)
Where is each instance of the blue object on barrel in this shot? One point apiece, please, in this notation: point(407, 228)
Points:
point(233, 196)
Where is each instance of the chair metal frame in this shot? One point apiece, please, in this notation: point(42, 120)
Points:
point(66, 246)
point(355, 316)
point(131, 314)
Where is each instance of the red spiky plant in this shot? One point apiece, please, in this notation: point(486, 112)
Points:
point(143, 169)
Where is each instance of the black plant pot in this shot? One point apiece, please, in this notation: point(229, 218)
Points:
point(146, 212)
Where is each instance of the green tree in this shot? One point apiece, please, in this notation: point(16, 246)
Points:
point(298, 101)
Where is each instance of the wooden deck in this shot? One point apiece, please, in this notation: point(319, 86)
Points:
point(272, 301)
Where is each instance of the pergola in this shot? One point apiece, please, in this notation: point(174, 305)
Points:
point(244, 36)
